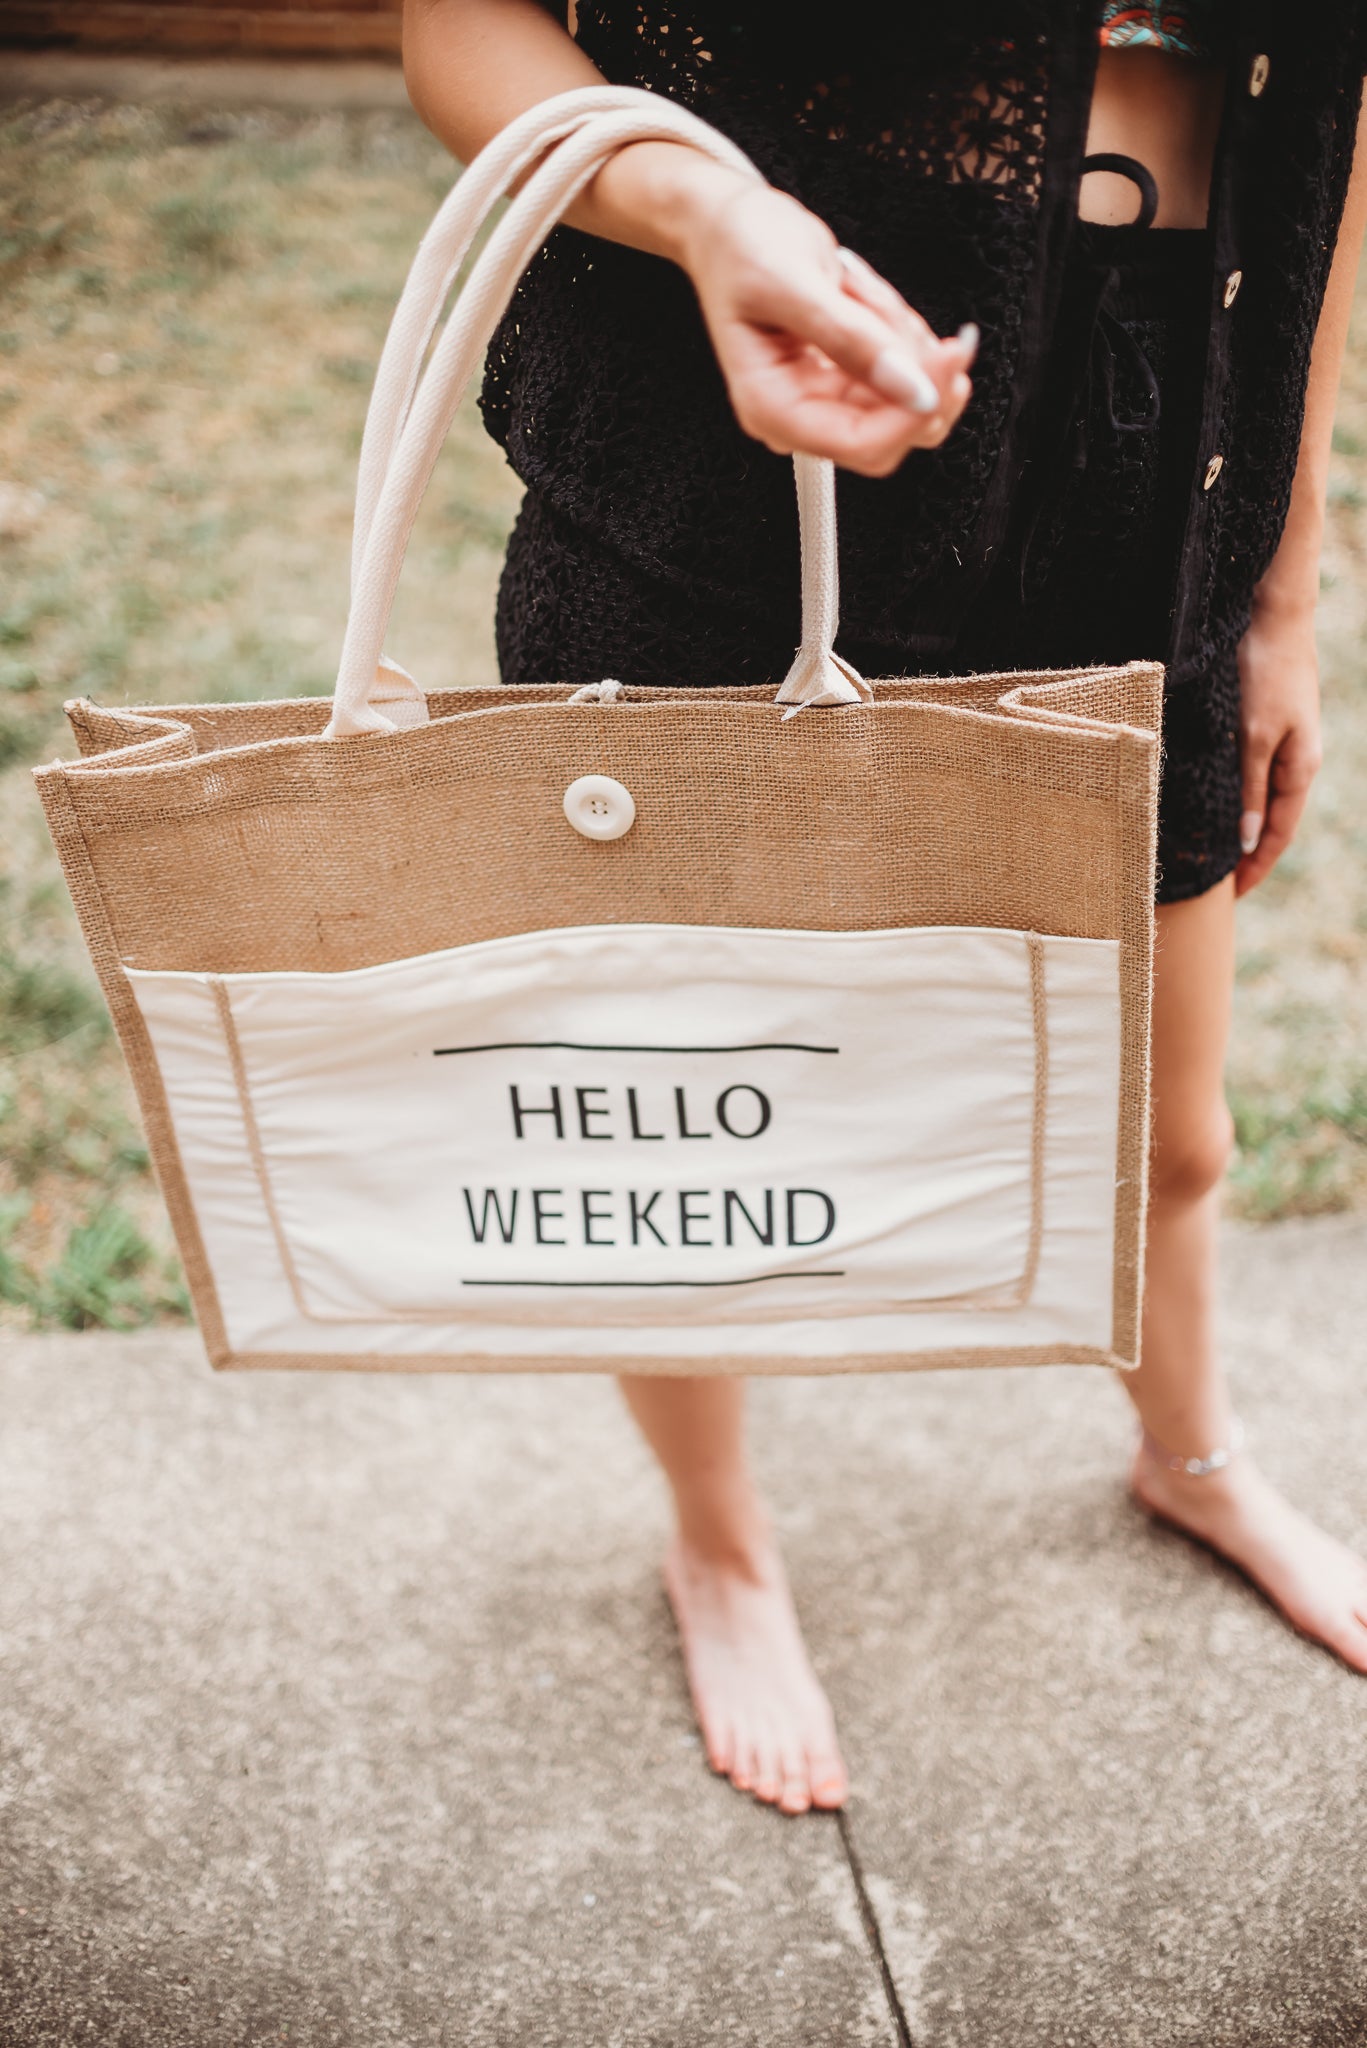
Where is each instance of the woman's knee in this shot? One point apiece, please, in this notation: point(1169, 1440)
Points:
point(1190, 1157)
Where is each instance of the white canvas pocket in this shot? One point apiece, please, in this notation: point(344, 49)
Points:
point(654, 1126)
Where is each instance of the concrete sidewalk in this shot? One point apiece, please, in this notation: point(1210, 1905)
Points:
point(347, 1711)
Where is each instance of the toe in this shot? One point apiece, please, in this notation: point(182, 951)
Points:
point(827, 1777)
point(744, 1763)
point(768, 1777)
point(795, 1789)
point(719, 1746)
point(1350, 1640)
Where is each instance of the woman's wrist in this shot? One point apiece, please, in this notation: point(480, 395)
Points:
point(1286, 602)
point(662, 197)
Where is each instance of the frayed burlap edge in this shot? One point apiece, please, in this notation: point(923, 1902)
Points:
point(718, 1366)
point(141, 1059)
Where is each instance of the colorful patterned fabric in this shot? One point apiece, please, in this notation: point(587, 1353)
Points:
point(1189, 30)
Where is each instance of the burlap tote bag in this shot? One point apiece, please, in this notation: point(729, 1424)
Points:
point(645, 1029)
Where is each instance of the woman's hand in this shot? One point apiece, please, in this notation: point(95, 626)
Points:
point(1278, 670)
point(819, 353)
point(1279, 733)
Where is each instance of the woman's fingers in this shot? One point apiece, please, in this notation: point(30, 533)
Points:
point(905, 367)
point(1276, 788)
point(859, 323)
point(792, 397)
point(893, 361)
point(819, 352)
point(870, 437)
point(873, 440)
point(1256, 753)
point(1279, 733)
point(1279, 829)
point(946, 362)
point(862, 282)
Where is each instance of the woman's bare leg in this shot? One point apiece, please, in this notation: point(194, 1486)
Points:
point(1180, 1390)
point(765, 1720)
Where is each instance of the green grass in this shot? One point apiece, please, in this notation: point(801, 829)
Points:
point(193, 303)
point(65, 1125)
point(197, 228)
point(40, 1005)
point(193, 306)
point(107, 1275)
point(1301, 1153)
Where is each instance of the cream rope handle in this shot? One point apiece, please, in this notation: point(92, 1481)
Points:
point(819, 675)
point(445, 247)
point(411, 411)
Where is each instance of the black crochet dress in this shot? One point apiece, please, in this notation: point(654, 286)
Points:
point(1068, 518)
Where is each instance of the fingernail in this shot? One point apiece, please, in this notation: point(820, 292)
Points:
point(903, 381)
point(969, 337)
point(1250, 830)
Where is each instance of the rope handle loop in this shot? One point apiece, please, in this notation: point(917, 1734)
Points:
point(411, 408)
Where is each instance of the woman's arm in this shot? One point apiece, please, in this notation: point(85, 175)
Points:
point(819, 352)
point(1278, 667)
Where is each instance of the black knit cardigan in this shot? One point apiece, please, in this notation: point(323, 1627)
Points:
point(944, 143)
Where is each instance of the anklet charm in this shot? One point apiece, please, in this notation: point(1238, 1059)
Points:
point(1198, 1468)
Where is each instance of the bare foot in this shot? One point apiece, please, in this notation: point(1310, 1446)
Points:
point(765, 1721)
point(1317, 1582)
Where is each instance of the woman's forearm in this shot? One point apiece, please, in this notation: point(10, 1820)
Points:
point(1291, 584)
point(819, 353)
point(472, 66)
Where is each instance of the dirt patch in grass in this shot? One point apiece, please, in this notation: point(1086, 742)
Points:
point(192, 305)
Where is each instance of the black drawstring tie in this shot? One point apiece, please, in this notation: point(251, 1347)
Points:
point(1093, 337)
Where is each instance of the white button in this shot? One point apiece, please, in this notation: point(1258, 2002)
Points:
point(1213, 468)
point(1232, 283)
point(1257, 77)
point(599, 807)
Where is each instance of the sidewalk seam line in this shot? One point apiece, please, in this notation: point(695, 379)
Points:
point(873, 1931)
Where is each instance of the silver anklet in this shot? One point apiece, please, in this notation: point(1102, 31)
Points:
point(1198, 1468)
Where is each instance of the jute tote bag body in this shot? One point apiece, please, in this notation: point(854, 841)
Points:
point(645, 1029)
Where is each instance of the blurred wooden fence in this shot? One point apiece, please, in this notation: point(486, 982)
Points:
point(301, 27)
